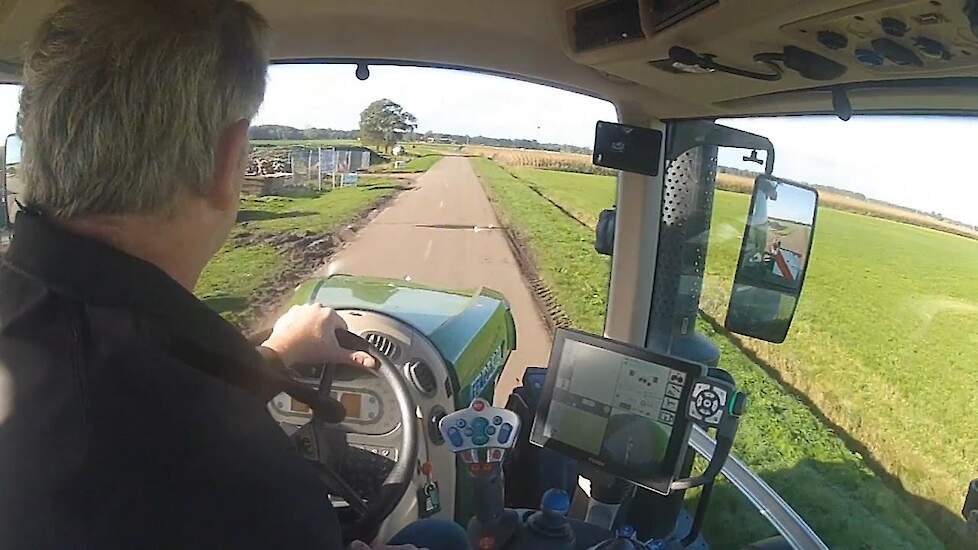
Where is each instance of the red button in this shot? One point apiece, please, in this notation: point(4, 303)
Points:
point(479, 405)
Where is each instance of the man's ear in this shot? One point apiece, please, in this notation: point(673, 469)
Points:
point(226, 184)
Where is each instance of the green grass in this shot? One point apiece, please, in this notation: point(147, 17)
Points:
point(418, 164)
point(781, 438)
point(320, 212)
point(242, 266)
point(420, 148)
point(561, 247)
point(583, 195)
point(233, 276)
point(884, 340)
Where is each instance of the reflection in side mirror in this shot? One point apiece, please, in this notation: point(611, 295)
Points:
point(11, 187)
point(773, 259)
point(629, 148)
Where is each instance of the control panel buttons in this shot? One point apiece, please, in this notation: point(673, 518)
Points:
point(504, 432)
point(708, 402)
point(480, 426)
point(455, 437)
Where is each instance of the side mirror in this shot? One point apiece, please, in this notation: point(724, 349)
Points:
point(628, 148)
point(10, 185)
point(604, 232)
point(773, 259)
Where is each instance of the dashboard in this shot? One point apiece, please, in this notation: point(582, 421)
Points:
point(373, 423)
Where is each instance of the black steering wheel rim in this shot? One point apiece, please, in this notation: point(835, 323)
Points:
point(401, 476)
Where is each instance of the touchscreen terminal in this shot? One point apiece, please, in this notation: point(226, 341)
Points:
point(615, 406)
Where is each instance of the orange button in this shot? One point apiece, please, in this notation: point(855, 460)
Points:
point(426, 468)
point(479, 405)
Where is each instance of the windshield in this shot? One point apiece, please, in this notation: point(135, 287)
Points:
point(863, 419)
point(883, 344)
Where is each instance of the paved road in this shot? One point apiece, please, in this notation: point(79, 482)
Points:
point(444, 233)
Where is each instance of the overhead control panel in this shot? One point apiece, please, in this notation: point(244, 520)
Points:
point(895, 36)
point(661, 14)
point(606, 23)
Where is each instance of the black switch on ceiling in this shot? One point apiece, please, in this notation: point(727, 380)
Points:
point(896, 53)
point(928, 47)
point(832, 40)
point(893, 26)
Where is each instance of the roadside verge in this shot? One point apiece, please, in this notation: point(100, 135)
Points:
point(279, 240)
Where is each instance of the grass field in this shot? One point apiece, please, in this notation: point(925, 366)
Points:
point(548, 160)
point(247, 261)
point(852, 343)
point(417, 164)
point(742, 184)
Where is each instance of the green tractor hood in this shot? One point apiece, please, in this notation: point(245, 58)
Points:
point(473, 330)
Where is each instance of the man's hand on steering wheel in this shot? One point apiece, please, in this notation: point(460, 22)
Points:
point(307, 334)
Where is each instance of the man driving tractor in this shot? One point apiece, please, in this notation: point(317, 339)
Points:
point(134, 117)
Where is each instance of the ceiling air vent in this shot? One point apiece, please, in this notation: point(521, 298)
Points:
point(665, 13)
point(606, 23)
point(383, 343)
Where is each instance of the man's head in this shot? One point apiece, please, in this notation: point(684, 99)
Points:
point(140, 108)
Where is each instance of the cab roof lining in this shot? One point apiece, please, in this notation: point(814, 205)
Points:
point(534, 41)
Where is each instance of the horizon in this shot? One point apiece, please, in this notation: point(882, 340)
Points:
point(890, 159)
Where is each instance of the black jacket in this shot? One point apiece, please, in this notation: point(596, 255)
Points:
point(133, 416)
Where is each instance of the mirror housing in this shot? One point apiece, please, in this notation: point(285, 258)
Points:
point(604, 232)
point(629, 148)
point(773, 259)
point(10, 185)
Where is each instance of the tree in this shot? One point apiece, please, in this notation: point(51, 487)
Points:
point(384, 123)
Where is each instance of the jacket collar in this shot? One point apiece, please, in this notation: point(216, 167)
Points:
point(99, 275)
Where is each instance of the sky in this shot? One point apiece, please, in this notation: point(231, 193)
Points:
point(927, 163)
point(793, 203)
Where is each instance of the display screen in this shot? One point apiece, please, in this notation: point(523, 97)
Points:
point(352, 402)
point(615, 408)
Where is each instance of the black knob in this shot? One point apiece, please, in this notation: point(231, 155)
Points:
point(893, 26)
point(930, 48)
point(869, 57)
point(896, 53)
point(832, 40)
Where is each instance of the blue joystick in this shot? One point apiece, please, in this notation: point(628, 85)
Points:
point(556, 501)
point(551, 522)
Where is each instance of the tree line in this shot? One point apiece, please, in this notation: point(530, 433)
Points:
point(384, 123)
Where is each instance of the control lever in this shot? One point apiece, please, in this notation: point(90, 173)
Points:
point(481, 435)
point(714, 403)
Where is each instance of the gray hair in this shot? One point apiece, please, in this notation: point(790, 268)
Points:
point(124, 101)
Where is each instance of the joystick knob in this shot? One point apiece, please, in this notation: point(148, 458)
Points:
point(555, 501)
point(551, 521)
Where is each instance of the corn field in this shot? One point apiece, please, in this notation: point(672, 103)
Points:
point(546, 160)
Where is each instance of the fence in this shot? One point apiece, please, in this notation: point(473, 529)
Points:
point(327, 165)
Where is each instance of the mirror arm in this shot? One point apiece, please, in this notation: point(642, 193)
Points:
point(694, 133)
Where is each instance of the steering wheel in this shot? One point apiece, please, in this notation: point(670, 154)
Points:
point(324, 442)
